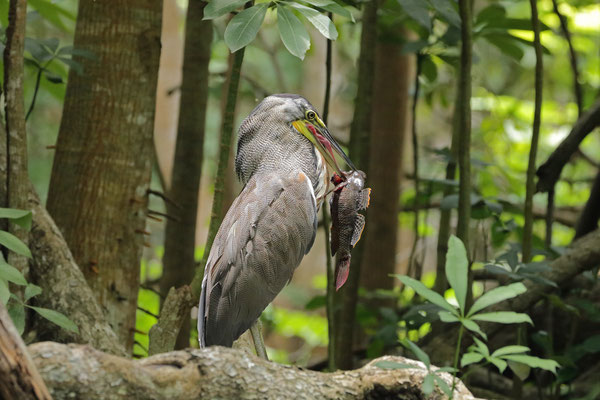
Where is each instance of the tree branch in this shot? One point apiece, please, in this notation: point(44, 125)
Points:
point(216, 372)
point(19, 378)
point(64, 287)
point(549, 172)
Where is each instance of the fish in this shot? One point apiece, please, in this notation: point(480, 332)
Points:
point(349, 197)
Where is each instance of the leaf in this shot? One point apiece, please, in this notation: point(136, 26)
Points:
point(473, 327)
point(17, 314)
point(11, 274)
point(19, 217)
point(428, 384)
point(53, 13)
point(506, 45)
point(293, 33)
point(242, 28)
point(216, 8)
point(319, 21)
point(470, 358)
point(31, 291)
point(56, 318)
point(457, 269)
point(445, 316)
point(503, 317)
point(442, 384)
point(534, 362)
point(428, 294)
point(74, 65)
point(497, 295)
point(51, 77)
point(4, 292)
point(520, 369)
point(446, 9)
point(38, 51)
point(514, 349)
point(418, 11)
point(500, 364)
point(395, 365)
point(315, 302)
point(13, 243)
point(421, 355)
point(483, 349)
point(332, 6)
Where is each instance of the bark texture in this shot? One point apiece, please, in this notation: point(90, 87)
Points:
point(19, 378)
point(73, 371)
point(583, 255)
point(180, 233)
point(588, 220)
point(64, 288)
point(388, 129)
point(102, 167)
point(174, 312)
point(16, 138)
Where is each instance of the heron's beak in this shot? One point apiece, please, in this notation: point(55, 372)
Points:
point(319, 135)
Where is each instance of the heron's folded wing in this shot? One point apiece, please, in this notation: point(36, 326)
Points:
point(265, 234)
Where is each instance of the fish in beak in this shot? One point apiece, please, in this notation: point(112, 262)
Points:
point(316, 131)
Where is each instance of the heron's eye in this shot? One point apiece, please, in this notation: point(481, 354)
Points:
point(310, 114)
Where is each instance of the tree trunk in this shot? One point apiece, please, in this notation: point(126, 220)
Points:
point(393, 74)
point(73, 371)
point(103, 160)
point(16, 137)
point(359, 152)
point(180, 234)
point(19, 378)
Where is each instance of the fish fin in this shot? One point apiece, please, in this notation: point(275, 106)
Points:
point(359, 225)
point(364, 199)
point(342, 269)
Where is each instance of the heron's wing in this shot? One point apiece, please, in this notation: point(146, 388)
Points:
point(268, 229)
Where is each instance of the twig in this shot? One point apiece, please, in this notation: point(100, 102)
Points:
point(164, 197)
point(530, 185)
point(412, 264)
point(35, 92)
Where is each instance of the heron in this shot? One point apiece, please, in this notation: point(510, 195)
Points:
point(285, 155)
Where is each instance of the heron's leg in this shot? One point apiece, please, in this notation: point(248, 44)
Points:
point(259, 344)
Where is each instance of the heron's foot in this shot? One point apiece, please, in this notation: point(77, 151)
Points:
point(259, 344)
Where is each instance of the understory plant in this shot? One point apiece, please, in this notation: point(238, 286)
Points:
point(514, 356)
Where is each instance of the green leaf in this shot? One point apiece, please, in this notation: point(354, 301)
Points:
point(292, 32)
point(395, 365)
point(216, 8)
point(19, 217)
point(533, 362)
point(470, 358)
point(483, 349)
point(503, 317)
point(418, 11)
point(13, 243)
point(17, 314)
point(56, 318)
point(31, 291)
point(497, 295)
point(319, 21)
point(242, 28)
point(428, 294)
point(4, 292)
point(428, 384)
point(514, 349)
point(421, 355)
point(445, 8)
point(445, 316)
point(457, 269)
point(450, 370)
point(442, 384)
point(473, 327)
point(11, 274)
point(332, 6)
point(520, 369)
point(500, 364)
point(53, 13)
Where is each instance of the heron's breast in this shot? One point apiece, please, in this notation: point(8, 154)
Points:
point(322, 181)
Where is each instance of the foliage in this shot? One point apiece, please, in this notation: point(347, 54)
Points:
point(16, 301)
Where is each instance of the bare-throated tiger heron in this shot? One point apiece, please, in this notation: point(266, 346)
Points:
point(284, 152)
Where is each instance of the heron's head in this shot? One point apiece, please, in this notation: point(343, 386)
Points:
point(300, 118)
